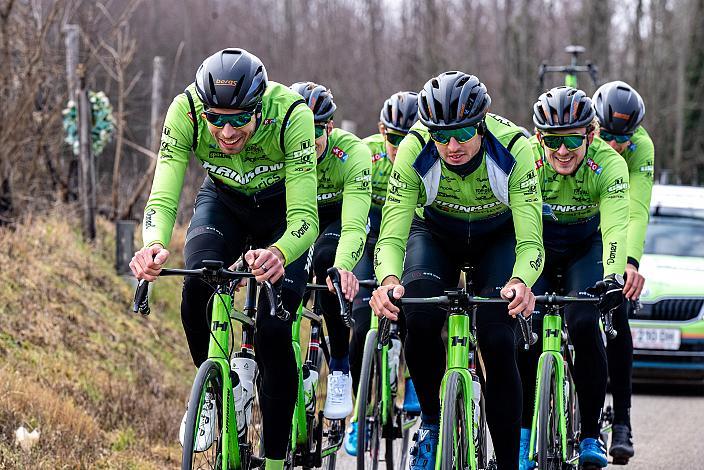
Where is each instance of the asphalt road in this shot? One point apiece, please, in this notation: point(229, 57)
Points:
point(668, 426)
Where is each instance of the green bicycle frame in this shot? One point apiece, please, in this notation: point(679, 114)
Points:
point(299, 428)
point(217, 353)
point(552, 346)
point(460, 341)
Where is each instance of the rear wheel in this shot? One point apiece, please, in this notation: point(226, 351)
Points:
point(549, 447)
point(369, 406)
point(457, 427)
point(208, 380)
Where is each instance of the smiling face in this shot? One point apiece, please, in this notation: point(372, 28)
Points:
point(231, 140)
point(562, 159)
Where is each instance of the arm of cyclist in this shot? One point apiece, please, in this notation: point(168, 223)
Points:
point(526, 208)
point(147, 262)
point(301, 186)
point(267, 264)
point(613, 213)
point(522, 299)
point(162, 205)
point(381, 304)
point(404, 192)
point(356, 199)
point(641, 185)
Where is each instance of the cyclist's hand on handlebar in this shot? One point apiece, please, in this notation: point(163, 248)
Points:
point(610, 290)
point(146, 263)
point(265, 264)
point(348, 283)
point(634, 283)
point(380, 303)
point(521, 297)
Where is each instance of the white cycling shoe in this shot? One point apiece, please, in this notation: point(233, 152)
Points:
point(205, 427)
point(338, 402)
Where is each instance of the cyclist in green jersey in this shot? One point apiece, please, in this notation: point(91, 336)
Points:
point(255, 138)
point(463, 190)
point(584, 184)
point(344, 196)
point(620, 110)
point(398, 114)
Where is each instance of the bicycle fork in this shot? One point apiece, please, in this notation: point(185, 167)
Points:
point(552, 346)
point(461, 344)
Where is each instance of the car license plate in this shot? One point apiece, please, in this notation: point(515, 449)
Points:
point(656, 338)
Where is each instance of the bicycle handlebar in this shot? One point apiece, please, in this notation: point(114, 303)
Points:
point(212, 270)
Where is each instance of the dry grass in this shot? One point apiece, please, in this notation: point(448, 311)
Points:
point(105, 387)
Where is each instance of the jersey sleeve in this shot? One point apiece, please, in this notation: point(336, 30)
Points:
point(175, 146)
point(613, 213)
point(641, 186)
point(356, 199)
point(526, 209)
point(402, 196)
point(301, 185)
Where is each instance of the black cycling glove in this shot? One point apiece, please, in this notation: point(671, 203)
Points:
point(610, 289)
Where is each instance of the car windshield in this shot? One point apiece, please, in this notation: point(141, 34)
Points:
point(675, 236)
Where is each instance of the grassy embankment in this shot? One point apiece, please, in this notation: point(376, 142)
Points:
point(106, 387)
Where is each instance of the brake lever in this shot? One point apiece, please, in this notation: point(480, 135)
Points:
point(334, 276)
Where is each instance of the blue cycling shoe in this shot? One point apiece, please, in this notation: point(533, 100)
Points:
point(351, 439)
point(524, 462)
point(425, 447)
point(411, 404)
point(592, 452)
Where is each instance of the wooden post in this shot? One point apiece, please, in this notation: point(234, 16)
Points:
point(71, 41)
point(156, 118)
point(124, 245)
point(87, 172)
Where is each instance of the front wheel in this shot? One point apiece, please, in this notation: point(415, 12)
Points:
point(369, 406)
point(208, 381)
point(549, 444)
point(457, 427)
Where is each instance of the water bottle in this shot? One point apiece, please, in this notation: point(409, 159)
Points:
point(310, 383)
point(244, 375)
point(476, 407)
point(394, 357)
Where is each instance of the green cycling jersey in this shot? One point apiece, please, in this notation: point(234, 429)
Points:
point(280, 152)
point(344, 172)
point(502, 185)
point(594, 197)
point(640, 158)
point(381, 168)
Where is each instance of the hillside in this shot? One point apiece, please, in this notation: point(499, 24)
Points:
point(105, 387)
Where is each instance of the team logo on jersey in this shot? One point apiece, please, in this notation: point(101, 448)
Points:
point(190, 116)
point(339, 153)
point(269, 121)
point(594, 166)
point(539, 164)
point(618, 186)
point(378, 156)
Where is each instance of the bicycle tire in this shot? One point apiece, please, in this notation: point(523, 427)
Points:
point(455, 423)
point(255, 426)
point(548, 443)
point(572, 417)
point(369, 398)
point(482, 441)
point(208, 379)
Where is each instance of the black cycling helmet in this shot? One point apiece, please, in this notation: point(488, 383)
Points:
point(619, 108)
point(318, 98)
point(452, 100)
point(232, 79)
point(562, 107)
point(400, 111)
